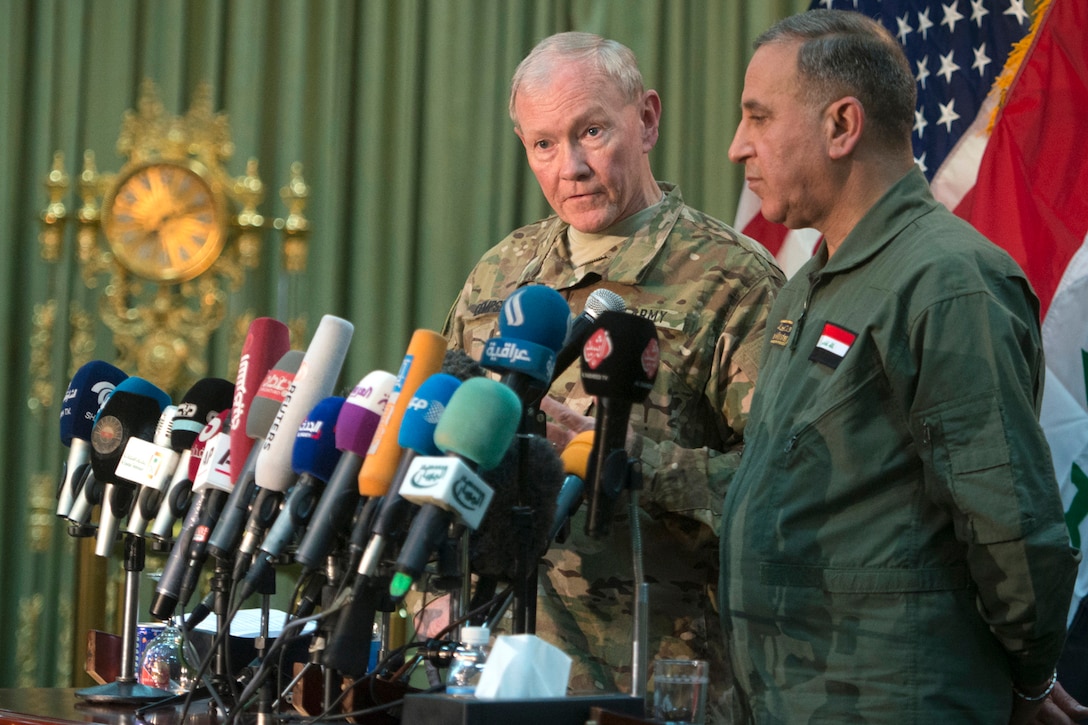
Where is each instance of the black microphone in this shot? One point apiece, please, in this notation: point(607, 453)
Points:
point(492, 552)
point(130, 414)
point(157, 464)
point(207, 501)
point(198, 407)
point(600, 300)
point(619, 364)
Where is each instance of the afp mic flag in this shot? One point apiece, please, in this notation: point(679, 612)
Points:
point(957, 49)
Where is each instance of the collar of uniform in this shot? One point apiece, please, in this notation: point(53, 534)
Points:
point(630, 262)
point(906, 200)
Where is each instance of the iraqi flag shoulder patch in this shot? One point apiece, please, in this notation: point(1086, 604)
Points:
point(833, 345)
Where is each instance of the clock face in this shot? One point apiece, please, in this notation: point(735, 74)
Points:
point(164, 222)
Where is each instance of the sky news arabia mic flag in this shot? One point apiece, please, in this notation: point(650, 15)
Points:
point(1031, 198)
point(957, 49)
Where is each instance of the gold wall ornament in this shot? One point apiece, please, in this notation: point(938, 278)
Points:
point(169, 238)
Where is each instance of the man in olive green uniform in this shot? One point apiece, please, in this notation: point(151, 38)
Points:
point(893, 547)
point(587, 124)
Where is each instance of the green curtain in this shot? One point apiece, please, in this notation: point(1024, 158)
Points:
point(396, 110)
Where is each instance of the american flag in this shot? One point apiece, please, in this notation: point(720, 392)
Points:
point(956, 50)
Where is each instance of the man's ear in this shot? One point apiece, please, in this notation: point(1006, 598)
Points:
point(844, 120)
point(650, 114)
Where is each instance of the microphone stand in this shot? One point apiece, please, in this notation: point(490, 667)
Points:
point(524, 583)
point(641, 604)
point(126, 689)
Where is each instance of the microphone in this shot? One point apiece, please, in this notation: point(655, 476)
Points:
point(619, 365)
point(198, 407)
point(599, 300)
point(314, 457)
point(492, 549)
point(423, 358)
point(178, 578)
point(315, 380)
point(355, 428)
point(157, 464)
point(416, 437)
point(88, 391)
point(267, 340)
point(475, 431)
point(227, 531)
point(386, 517)
point(575, 458)
point(131, 413)
point(533, 322)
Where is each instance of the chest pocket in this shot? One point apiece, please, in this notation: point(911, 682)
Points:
point(480, 326)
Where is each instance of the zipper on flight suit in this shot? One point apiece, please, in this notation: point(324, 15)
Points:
point(813, 280)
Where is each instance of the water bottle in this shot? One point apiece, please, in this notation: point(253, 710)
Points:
point(468, 662)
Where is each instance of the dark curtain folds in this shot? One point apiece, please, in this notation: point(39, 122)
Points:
point(396, 110)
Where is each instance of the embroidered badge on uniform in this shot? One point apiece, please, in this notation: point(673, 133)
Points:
point(782, 333)
point(833, 345)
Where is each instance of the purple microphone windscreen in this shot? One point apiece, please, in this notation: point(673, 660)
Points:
point(91, 386)
point(315, 450)
point(362, 411)
point(480, 422)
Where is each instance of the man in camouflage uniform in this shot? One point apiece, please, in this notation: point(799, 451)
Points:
point(579, 107)
point(893, 546)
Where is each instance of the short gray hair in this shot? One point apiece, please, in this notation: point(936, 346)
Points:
point(847, 53)
point(611, 59)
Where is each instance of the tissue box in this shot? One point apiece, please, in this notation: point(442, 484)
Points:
point(422, 709)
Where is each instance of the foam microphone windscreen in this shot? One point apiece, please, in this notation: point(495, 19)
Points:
point(535, 313)
point(493, 546)
point(133, 410)
point(204, 400)
point(575, 455)
point(461, 365)
point(424, 356)
point(476, 400)
point(267, 340)
point(315, 380)
point(270, 396)
point(315, 452)
point(89, 389)
point(362, 412)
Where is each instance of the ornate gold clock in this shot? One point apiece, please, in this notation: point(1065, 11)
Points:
point(165, 221)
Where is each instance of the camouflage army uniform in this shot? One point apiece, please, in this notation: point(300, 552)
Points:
point(708, 290)
point(893, 547)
